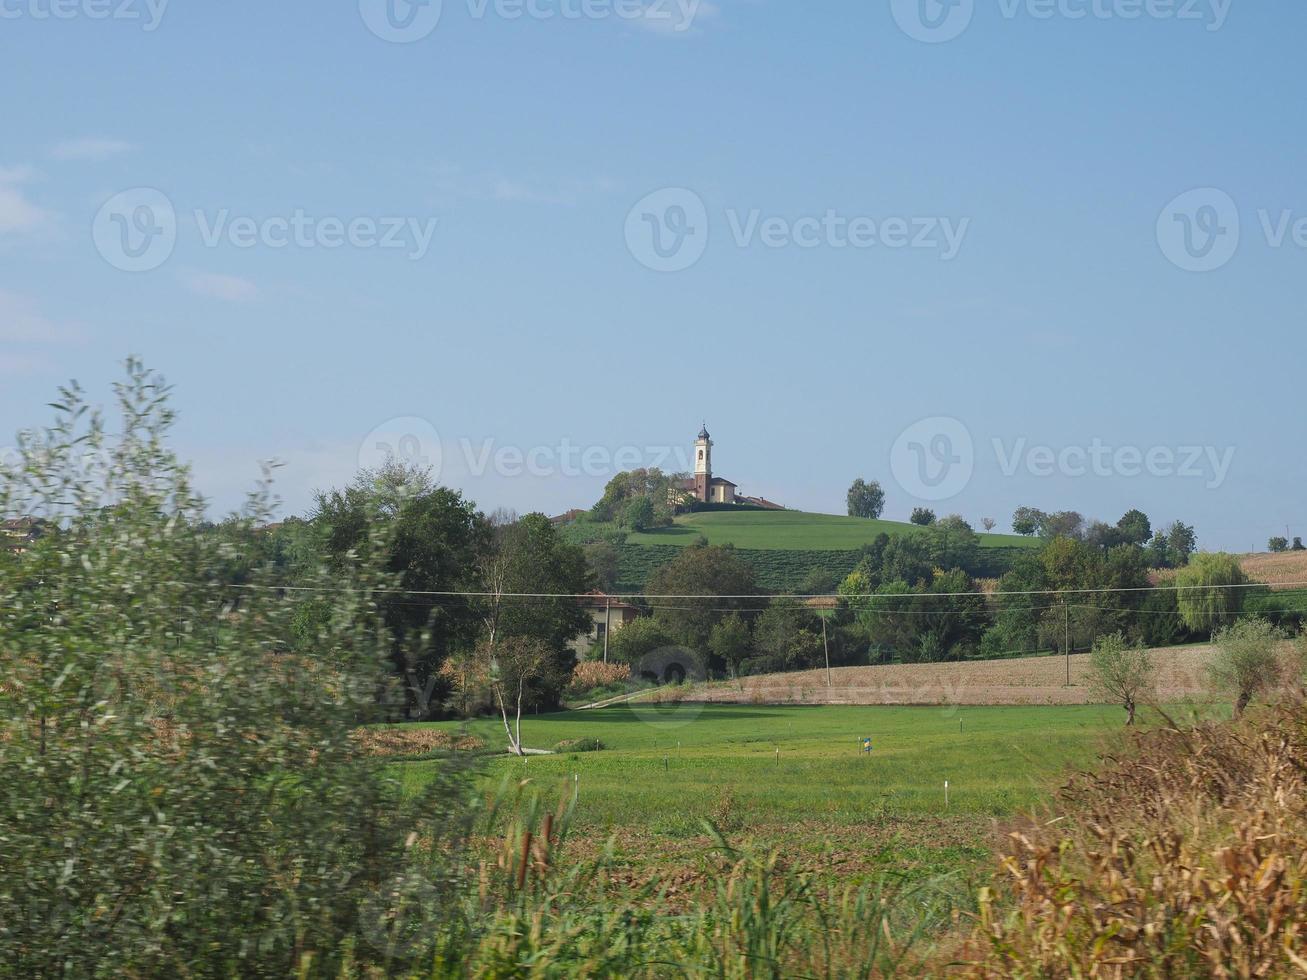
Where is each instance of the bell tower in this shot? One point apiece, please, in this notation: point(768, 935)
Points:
point(702, 464)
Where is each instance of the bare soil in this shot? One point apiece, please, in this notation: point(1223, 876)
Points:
point(1030, 680)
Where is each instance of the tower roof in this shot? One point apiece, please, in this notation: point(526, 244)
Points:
point(703, 432)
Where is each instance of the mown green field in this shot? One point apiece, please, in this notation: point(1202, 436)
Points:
point(791, 530)
point(782, 547)
point(796, 778)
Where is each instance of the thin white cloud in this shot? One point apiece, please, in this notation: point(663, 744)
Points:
point(22, 323)
point(232, 289)
point(90, 149)
point(17, 212)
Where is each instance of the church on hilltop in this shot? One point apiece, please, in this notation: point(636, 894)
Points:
point(708, 489)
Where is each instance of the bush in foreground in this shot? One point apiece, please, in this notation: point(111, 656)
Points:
point(1187, 859)
point(180, 794)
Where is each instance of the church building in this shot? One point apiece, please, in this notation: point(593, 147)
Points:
point(707, 489)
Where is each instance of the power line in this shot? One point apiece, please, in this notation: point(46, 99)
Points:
point(457, 594)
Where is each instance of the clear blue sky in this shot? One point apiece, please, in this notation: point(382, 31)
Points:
point(529, 322)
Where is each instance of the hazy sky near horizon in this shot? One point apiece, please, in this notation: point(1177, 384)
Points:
point(990, 253)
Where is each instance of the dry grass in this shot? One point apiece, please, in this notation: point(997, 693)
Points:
point(1030, 680)
point(1188, 858)
point(1289, 568)
point(412, 741)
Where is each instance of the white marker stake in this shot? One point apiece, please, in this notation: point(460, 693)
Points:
point(576, 786)
point(946, 794)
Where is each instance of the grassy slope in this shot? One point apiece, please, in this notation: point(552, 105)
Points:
point(668, 768)
point(782, 546)
point(793, 530)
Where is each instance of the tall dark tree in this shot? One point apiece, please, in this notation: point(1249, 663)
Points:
point(435, 540)
point(701, 570)
point(1135, 528)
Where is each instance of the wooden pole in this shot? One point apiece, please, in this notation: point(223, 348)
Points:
point(608, 624)
point(826, 647)
point(1066, 622)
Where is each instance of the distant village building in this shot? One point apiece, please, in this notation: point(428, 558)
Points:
point(608, 614)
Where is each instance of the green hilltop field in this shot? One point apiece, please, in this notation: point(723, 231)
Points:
point(792, 530)
point(783, 546)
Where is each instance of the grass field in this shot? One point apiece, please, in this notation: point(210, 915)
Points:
point(792, 530)
point(782, 547)
point(795, 777)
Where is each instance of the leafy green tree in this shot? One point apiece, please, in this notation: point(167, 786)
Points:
point(1121, 674)
point(1298, 545)
point(662, 491)
point(638, 515)
point(1278, 545)
point(1247, 664)
point(953, 543)
point(922, 516)
point(866, 499)
point(180, 791)
point(1209, 591)
point(533, 576)
point(1102, 535)
point(1181, 541)
point(1135, 528)
point(639, 638)
point(604, 560)
point(1063, 524)
point(432, 539)
point(731, 642)
point(718, 575)
point(1159, 551)
point(1027, 521)
point(787, 635)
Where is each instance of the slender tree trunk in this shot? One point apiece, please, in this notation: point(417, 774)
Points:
point(514, 747)
point(1241, 705)
point(520, 685)
point(1130, 711)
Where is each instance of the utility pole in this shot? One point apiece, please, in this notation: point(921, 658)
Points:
point(608, 623)
point(1066, 623)
point(826, 647)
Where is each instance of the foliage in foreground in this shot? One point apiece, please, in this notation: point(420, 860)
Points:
point(1187, 859)
point(541, 915)
point(180, 794)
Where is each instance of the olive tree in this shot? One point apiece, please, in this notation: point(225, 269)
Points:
point(1121, 674)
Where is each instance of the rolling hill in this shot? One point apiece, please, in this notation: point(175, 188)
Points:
point(792, 530)
point(784, 547)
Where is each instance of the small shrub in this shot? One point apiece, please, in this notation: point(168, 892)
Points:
point(580, 745)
